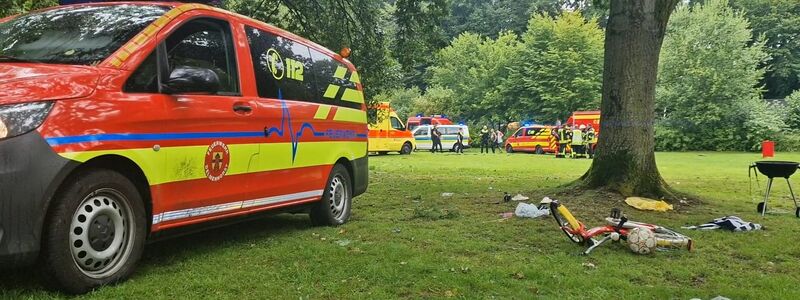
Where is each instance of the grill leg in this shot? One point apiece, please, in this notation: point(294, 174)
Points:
point(792, 192)
point(766, 197)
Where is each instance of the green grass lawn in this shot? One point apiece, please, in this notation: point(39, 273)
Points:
point(407, 241)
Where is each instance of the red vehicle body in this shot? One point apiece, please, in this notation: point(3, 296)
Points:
point(280, 130)
point(415, 122)
point(588, 118)
point(534, 139)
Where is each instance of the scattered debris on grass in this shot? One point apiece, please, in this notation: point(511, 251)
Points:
point(343, 243)
point(526, 210)
point(396, 230)
point(447, 195)
point(589, 265)
point(520, 197)
point(648, 204)
point(507, 215)
point(518, 275)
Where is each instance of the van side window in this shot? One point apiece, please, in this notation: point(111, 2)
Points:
point(281, 66)
point(333, 79)
point(206, 43)
point(396, 124)
point(422, 132)
point(145, 78)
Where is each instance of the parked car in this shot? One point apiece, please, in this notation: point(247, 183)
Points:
point(422, 135)
point(121, 122)
point(534, 139)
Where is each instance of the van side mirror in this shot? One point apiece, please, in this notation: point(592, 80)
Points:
point(191, 80)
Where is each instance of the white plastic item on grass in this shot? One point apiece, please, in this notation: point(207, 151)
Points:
point(520, 197)
point(526, 210)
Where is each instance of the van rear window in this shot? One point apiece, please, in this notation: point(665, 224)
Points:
point(84, 35)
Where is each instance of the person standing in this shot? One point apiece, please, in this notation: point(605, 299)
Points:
point(436, 138)
point(485, 139)
point(460, 141)
point(563, 139)
point(577, 141)
point(498, 142)
point(591, 137)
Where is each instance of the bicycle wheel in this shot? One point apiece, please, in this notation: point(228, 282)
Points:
point(562, 223)
point(667, 239)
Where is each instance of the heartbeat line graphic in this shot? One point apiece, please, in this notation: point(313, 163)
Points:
point(286, 121)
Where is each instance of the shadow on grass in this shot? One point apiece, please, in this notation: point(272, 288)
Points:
point(163, 253)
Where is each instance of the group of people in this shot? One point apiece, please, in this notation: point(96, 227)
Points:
point(436, 138)
point(491, 138)
point(581, 139)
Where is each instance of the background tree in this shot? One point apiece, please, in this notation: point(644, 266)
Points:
point(490, 18)
point(13, 7)
point(625, 162)
point(708, 96)
point(779, 22)
point(419, 33)
point(559, 67)
point(473, 67)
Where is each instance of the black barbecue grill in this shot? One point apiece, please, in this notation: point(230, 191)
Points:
point(775, 169)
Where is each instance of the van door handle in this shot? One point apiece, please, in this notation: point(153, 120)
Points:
point(242, 108)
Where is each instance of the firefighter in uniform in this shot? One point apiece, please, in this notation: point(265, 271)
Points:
point(577, 141)
point(563, 139)
point(591, 139)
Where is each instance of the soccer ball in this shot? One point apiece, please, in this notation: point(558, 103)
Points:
point(641, 240)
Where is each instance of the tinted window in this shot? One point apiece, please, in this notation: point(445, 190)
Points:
point(422, 131)
point(206, 43)
point(451, 130)
point(281, 66)
point(333, 81)
point(145, 78)
point(75, 35)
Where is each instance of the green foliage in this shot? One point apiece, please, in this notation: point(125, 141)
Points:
point(707, 96)
point(418, 33)
point(779, 22)
point(13, 7)
point(559, 69)
point(473, 67)
point(792, 111)
point(490, 18)
point(401, 99)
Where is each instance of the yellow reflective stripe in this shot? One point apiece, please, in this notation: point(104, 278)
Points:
point(355, 78)
point(322, 112)
point(173, 164)
point(332, 91)
point(350, 115)
point(340, 72)
point(352, 95)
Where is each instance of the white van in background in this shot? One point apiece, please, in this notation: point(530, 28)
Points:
point(422, 135)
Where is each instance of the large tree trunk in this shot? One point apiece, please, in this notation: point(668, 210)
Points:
point(625, 160)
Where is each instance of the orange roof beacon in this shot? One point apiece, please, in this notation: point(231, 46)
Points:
point(121, 122)
point(389, 134)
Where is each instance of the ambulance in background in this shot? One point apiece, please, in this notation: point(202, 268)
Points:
point(389, 134)
point(588, 118)
point(420, 120)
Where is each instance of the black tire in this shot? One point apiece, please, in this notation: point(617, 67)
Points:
point(96, 211)
point(539, 150)
point(509, 149)
point(562, 222)
point(383, 152)
point(406, 149)
point(334, 209)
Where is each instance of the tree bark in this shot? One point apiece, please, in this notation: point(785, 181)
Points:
point(625, 160)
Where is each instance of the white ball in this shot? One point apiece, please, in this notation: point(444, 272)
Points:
point(641, 241)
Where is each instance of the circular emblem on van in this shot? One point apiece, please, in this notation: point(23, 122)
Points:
point(218, 157)
point(275, 64)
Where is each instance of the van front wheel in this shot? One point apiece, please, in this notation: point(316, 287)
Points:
point(509, 149)
point(337, 197)
point(95, 232)
point(406, 149)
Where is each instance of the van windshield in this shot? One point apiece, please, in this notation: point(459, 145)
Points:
point(74, 35)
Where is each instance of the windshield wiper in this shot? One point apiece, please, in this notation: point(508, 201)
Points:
point(16, 59)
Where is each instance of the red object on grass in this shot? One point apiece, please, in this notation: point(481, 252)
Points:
point(767, 149)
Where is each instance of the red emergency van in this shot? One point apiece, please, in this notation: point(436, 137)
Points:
point(120, 122)
point(414, 122)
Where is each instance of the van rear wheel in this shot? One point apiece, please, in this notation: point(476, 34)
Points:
point(539, 150)
point(337, 197)
point(509, 149)
point(95, 232)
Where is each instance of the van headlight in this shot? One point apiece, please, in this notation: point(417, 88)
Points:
point(17, 119)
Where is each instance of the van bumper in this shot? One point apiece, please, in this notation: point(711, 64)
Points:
point(360, 175)
point(30, 172)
